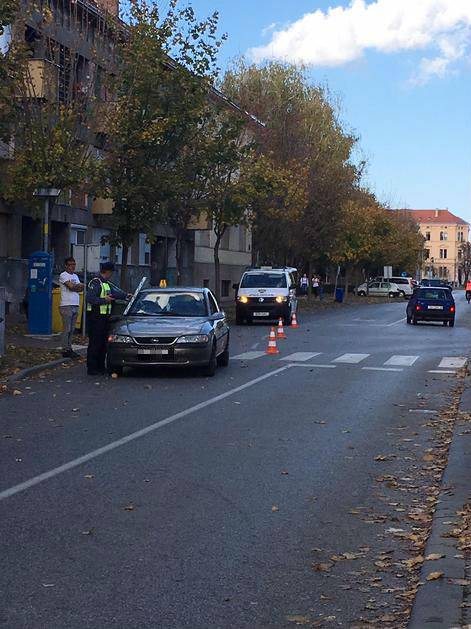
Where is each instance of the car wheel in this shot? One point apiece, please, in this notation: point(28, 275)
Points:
point(402, 294)
point(239, 318)
point(223, 359)
point(211, 367)
point(451, 323)
point(361, 293)
point(391, 294)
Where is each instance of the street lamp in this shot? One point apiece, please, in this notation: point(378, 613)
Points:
point(46, 194)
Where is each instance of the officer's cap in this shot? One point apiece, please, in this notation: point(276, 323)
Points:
point(106, 266)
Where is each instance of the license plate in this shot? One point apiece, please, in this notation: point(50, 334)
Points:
point(157, 352)
point(435, 307)
point(261, 314)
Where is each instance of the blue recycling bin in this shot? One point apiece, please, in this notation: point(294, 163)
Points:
point(339, 293)
point(40, 293)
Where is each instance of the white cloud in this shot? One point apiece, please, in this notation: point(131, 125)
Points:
point(343, 34)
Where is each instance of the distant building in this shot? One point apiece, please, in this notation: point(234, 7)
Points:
point(443, 232)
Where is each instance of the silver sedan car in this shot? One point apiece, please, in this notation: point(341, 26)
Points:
point(177, 327)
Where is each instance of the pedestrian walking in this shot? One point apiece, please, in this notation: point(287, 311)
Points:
point(71, 287)
point(100, 296)
point(304, 284)
point(315, 285)
point(468, 291)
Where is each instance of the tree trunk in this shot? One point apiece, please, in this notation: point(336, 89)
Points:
point(124, 265)
point(347, 279)
point(309, 277)
point(217, 264)
point(179, 256)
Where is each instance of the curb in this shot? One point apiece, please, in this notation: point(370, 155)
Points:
point(438, 603)
point(24, 373)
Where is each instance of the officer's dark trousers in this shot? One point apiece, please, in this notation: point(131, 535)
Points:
point(97, 336)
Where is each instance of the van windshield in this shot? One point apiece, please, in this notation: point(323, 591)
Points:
point(263, 280)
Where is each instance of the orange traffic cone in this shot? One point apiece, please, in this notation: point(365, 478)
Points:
point(272, 348)
point(294, 322)
point(280, 334)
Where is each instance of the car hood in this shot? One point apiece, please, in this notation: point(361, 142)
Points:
point(150, 326)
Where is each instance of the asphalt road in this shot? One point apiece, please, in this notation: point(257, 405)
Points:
point(168, 500)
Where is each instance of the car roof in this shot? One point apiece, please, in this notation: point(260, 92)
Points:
point(436, 287)
point(175, 289)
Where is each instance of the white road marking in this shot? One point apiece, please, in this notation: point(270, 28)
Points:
point(453, 362)
point(390, 325)
point(441, 371)
point(381, 369)
point(299, 357)
point(401, 361)
point(248, 356)
point(315, 366)
point(425, 411)
point(16, 489)
point(351, 359)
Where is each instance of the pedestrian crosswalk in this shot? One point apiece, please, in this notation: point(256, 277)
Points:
point(395, 363)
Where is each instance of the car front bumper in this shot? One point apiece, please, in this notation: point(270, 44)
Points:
point(262, 311)
point(124, 355)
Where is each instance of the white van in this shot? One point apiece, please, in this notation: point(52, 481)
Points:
point(266, 294)
point(405, 284)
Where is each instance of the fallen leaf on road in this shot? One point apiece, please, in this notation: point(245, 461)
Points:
point(428, 458)
point(88, 532)
point(274, 508)
point(299, 620)
point(75, 410)
point(48, 585)
point(434, 557)
point(384, 457)
point(284, 472)
point(459, 582)
point(17, 392)
point(433, 576)
point(88, 476)
point(415, 561)
point(129, 507)
point(323, 567)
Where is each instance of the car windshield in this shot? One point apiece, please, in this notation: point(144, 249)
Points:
point(178, 304)
point(263, 280)
point(434, 294)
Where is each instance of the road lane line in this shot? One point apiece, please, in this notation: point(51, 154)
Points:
point(312, 365)
point(390, 325)
point(452, 362)
point(16, 489)
point(351, 359)
point(300, 357)
point(381, 369)
point(401, 361)
point(248, 356)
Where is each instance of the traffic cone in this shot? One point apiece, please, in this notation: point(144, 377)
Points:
point(272, 348)
point(280, 334)
point(294, 322)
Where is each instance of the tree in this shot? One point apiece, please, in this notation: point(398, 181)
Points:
point(159, 93)
point(465, 261)
point(48, 102)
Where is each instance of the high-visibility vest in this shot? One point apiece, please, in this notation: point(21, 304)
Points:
point(105, 309)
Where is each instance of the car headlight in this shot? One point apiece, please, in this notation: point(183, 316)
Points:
point(243, 299)
point(280, 299)
point(194, 338)
point(120, 338)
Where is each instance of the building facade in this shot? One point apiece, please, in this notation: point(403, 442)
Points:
point(443, 233)
point(77, 219)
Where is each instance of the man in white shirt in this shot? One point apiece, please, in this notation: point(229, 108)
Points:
point(69, 305)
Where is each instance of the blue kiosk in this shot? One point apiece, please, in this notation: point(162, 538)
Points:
point(40, 293)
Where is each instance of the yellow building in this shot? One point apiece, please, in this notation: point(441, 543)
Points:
point(443, 233)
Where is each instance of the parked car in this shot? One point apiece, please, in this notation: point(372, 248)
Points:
point(266, 294)
point(379, 289)
point(436, 283)
point(405, 284)
point(430, 303)
point(174, 327)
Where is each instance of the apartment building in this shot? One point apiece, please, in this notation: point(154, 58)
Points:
point(443, 234)
point(77, 219)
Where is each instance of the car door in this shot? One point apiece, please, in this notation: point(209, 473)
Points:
point(219, 326)
point(385, 288)
point(374, 288)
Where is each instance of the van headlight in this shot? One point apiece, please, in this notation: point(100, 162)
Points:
point(243, 299)
point(120, 338)
point(194, 338)
point(280, 299)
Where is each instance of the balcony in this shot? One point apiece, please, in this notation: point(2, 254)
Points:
point(41, 80)
point(102, 206)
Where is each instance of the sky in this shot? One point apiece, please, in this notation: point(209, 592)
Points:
point(402, 69)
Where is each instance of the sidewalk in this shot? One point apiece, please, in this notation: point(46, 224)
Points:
point(445, 601)
point(23, 351)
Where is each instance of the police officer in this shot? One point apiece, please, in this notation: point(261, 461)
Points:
point(100, 296)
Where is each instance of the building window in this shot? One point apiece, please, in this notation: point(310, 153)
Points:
point(225, 288)
point(144, 250)
point(427, 254)
point(443, 236)
point(427, 235)
point(118, 256)
point(443, 254)
point(460, 254)
point(460, 236)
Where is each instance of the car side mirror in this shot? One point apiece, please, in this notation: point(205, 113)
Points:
point(218, 316)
